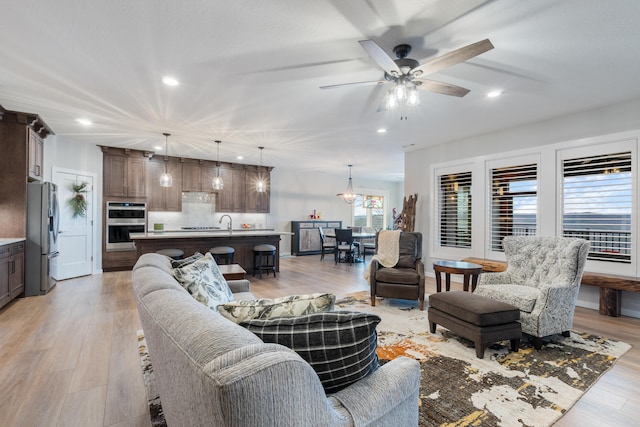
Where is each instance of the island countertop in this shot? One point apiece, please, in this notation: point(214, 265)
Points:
point(242, 241)
point(188, 234)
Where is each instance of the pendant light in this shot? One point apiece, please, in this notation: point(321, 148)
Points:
point(166, 180)
point(217, 183)
point(261, 186)
point(349, 196)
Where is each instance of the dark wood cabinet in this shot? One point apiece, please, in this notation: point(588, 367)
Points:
point(159, 198)
point(306, 237)
point(256, 202)
point(16, 130)
point(11, 271)
point(125, 173)
point(197, 175)
point(232, 196)
point(36, 156)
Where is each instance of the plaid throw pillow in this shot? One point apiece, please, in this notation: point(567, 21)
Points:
point(340, 346)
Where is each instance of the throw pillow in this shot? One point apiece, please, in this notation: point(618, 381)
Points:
point(340, 346)
point(179, 263)
point(203, 280)
point(295, 305)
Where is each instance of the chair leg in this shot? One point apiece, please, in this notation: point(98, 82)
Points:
point(566, 334)
point(537, 342)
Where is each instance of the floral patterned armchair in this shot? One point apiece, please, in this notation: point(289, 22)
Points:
point(542, 279)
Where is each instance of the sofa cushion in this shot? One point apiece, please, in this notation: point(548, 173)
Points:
point(203, 280)
point(294, 305)
point(340, 346)
point(522, 296)
point(179, 263)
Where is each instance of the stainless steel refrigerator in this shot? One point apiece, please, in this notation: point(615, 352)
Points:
point(43, 221)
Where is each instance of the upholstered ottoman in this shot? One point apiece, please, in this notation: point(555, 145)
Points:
point(476, 318)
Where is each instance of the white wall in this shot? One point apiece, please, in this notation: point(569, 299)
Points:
point(572, 128)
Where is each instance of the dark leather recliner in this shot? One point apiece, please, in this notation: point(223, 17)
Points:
point(405, 280)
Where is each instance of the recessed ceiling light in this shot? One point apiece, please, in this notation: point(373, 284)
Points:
point(157, 148)
point(170, 81)
point(84, 122)
point(240, 158)
point(381, 130)
point(494, 93)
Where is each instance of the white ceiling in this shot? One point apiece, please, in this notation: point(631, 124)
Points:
point(250, 72)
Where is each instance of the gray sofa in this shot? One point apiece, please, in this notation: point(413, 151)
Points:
point(210, 371)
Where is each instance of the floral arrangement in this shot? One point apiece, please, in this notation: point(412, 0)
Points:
point(78, 201)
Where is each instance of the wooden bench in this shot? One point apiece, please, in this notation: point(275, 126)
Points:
point(611, 286)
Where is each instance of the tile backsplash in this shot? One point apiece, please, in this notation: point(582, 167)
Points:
point(199, 210)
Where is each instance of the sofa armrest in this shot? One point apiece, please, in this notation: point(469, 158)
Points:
point(388, 396)
point(237, 286)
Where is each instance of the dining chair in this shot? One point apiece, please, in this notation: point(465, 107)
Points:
point(369, 245)
point(327, 247)
point(344, 244)
point(357, 243)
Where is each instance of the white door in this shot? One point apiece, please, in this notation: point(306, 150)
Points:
point(75, 239)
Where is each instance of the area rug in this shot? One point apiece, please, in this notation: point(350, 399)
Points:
point(527, 388)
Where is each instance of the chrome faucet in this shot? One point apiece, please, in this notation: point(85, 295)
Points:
point(230, 225)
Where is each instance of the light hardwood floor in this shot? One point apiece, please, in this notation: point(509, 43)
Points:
point(70, 358)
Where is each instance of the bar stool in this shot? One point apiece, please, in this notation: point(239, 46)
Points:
point(172, 253)
point(222, 253)
point(261, 254)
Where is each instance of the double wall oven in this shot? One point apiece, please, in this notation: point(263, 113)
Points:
point(124, 218)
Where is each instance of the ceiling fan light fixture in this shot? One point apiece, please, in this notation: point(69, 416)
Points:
point(166, 180)
point(392, 101)
point(413, 97)
point(400, 91)
point(217, 182)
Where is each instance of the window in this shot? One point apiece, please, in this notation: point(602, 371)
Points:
point(514, 203)
point(455, 210)
point(597, 202)
point(368, 216)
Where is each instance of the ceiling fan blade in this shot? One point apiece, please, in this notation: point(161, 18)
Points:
point(440, 87)
point(453, 57)
point(367, 83)
point(380, 57)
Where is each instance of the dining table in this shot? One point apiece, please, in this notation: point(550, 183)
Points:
point(359, 236)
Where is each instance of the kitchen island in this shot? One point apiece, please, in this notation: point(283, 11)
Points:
point(242, 241)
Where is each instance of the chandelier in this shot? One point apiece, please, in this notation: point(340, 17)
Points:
point(261, 185)
point(348, 196)
point(217, 183)
point(166, 180)
point(404, 93)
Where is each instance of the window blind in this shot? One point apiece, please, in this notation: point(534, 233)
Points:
point(514, 203)
point(597, 203)
point(455, 210)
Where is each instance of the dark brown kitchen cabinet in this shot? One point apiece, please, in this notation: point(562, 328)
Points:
point(232, 196)
point(164, 198)
point(36, 156)
point(11, 271)
point(16, 129)
point(125, 173)
point(197, 175)
point(256, 202)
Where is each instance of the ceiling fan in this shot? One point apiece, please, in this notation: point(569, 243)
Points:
point(407, 73)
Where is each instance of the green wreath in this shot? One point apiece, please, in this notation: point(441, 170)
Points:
point(78, 201)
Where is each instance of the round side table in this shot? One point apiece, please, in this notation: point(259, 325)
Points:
point(467, 269)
